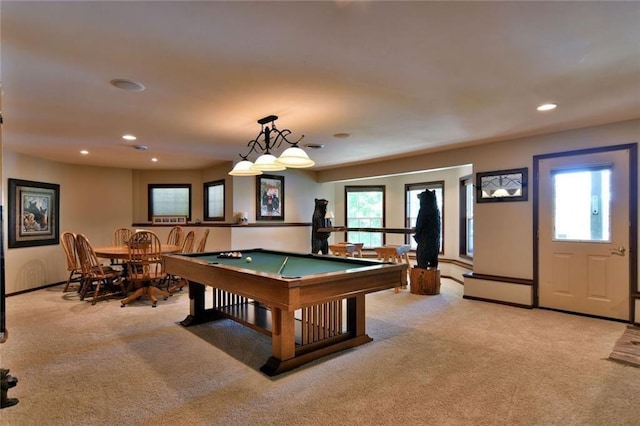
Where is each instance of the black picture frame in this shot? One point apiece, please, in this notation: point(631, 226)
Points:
point(269, 197)
point(502, 186)
point(34, 213)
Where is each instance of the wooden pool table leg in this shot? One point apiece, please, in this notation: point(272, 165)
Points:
point(283, 335)
point(284, 357)
point(197, 313)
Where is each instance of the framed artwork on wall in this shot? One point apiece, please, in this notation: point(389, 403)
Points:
point(269, 197)
point(33, 215)
point(502, 185)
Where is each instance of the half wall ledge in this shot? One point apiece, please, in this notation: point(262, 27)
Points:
point(505, 290)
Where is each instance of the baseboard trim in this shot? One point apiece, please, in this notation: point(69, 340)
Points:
point(499, 302)
point(498, 278)
point(29, 290)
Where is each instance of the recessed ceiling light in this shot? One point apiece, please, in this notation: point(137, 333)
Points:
point(140, 147)
point(315, 145)
point(547, 107)
point(128, 85)
point(154, 159)
point(84, 152)
point(129, 137)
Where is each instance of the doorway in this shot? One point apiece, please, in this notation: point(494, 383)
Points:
point(585, 221)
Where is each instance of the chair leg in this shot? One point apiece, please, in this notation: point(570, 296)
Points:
point(96, 292)
point(66, 287)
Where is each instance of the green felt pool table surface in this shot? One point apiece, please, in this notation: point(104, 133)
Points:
point(295, 266)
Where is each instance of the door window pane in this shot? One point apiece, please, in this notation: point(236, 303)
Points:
point(582, 204)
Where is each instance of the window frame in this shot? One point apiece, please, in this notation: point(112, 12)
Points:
point(152, 186)
point(205, 207)
point(436, 184)
point(465, 182)
point(366, 188)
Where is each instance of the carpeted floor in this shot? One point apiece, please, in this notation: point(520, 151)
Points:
point(627, 348)
point(434, 360)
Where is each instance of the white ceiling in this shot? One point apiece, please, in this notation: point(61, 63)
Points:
point(399, 77)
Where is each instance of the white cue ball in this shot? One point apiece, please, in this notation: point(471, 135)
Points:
point(249, 259)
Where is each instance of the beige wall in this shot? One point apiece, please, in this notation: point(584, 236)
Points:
point(97, 200)
point(503, 231)
point(93, 201)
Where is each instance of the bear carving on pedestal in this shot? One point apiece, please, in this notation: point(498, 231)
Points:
point(319, 240)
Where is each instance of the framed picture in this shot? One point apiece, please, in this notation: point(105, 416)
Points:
point(34, 209)
point(501, 185)
point(269, 197)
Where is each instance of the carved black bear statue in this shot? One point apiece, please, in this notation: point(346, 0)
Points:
point(319, 240)
point(428, 231)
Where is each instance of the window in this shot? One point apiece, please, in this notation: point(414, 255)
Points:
point(412, 206)
point(214, 200)
point(169, 200)
point(365, 209)
point(466, 216)
point(582, 204)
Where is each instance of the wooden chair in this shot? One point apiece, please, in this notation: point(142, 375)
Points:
point(120, 238)
point(187, 244)
point(102, 281)
point(203, 242)
point(145, 267)
point(175, 236)
point(73, 263)
point(395, 254)
point(342, 249)
point(175, 283)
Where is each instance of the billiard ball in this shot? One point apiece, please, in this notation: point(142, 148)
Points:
point(249, 259)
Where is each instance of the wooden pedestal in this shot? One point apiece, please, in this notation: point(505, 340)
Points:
point(425, 281)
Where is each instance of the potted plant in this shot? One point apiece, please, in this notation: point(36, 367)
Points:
point(425, 276)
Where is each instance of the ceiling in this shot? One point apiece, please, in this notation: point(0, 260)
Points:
point(400, 78)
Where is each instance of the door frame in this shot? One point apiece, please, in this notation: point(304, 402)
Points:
point(634, 293)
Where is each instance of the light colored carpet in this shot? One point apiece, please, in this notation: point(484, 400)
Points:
point(435, 360)
point(627, 348)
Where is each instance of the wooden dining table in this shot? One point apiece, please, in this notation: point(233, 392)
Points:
point(122, 251)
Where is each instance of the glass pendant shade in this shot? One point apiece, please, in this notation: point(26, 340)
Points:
point(244, 168)
point(295, 158)
point(267, 163)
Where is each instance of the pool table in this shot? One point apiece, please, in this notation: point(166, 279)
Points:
point(310, 305)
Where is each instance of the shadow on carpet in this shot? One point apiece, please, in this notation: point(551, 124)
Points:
point(627, 348)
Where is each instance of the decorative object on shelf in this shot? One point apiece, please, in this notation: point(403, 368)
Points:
point(319, 240)
point(242, 218)
point(270, 138)
point(327, 219)
point(269, 197)
point(34, 210)
point(501, 185)
point(425, 277)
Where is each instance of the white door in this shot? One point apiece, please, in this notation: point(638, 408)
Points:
point(583, 233)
